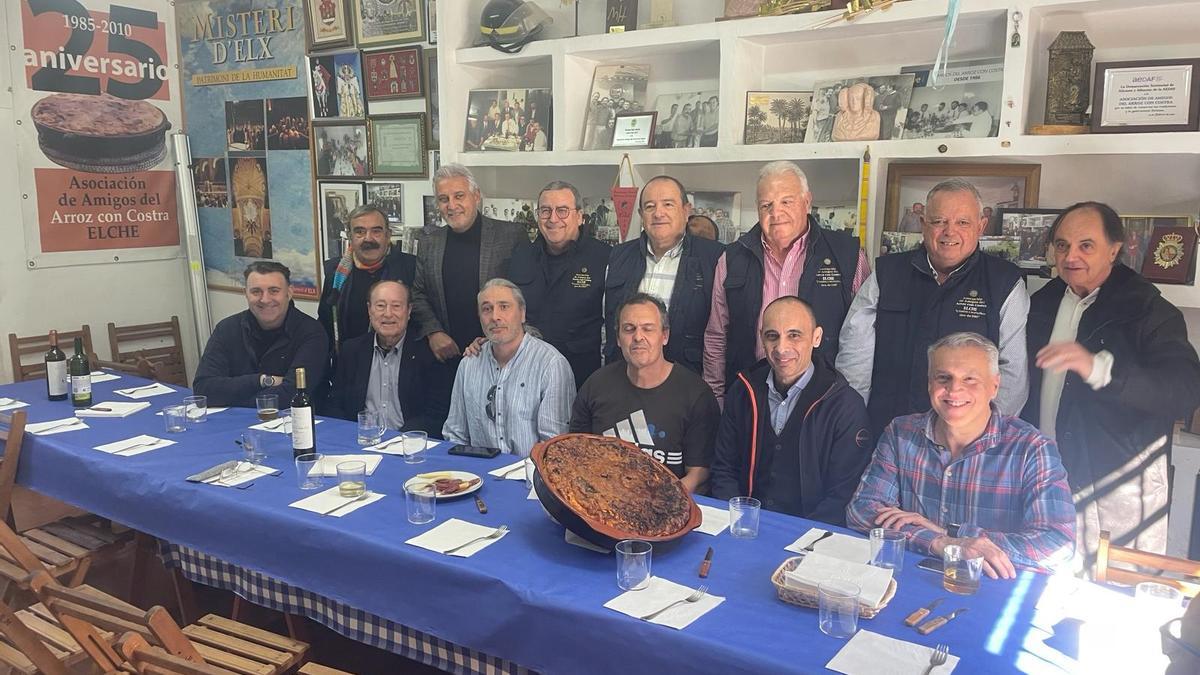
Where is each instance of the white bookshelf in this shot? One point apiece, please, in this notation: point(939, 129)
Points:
point(1136, 173)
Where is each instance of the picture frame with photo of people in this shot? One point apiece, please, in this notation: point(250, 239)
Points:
point(687, 119)
point(335, 82)
point(388, 22)
point(341, 149)
point(843, 218)
point(514, 210)
point(723, 208)
point(388, 196)
point(1012, 186)
point(1029, 230)
point(509, 120)
point(859, 109)
point(615, 88)
point(337, 201)
point(965, 104)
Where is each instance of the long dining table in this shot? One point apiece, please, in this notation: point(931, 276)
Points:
point(530, 598)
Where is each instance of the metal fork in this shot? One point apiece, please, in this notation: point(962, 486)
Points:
point(58, 426)
point(130, 391)
point(277, 424)
point(937, 658)
point(135, 446)
point(510, 472)
point(694, 597)
point(494, 534)
point(811, 547)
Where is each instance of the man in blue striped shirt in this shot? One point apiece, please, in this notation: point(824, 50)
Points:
point(518, 391)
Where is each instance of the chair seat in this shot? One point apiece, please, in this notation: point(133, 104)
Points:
point(67, 547)
point(51, 634)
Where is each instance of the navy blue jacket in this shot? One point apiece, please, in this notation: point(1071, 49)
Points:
point(228, 373)
point(690, 299)
point(813, 467)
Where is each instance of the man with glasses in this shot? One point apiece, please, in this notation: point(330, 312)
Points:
point(518, 391)
point(561, 275)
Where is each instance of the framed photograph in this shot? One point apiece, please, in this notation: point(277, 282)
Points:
point(208, 177)
point(634, 129)
point(614, 89)
point(431, 16)
point(1031, 230)
point(600, 219)
point(724, 209)
point(435, 115)
point(515, 210)
point(687, 120)
point(337, 85)
point(388, 22)
point(844, 217)
point(287, 123)
point(430, 213)
point(338, 200)
point(1138, 232)
point(965, 104)
point(244, 132)
point(1005, 247)
point(777, 116)
point(859, 109)
point(394, 73)
point(1146, 96)
point(341, 149)
point(398, 146)
point(899, 242)
point(328, 23)
point(388, 197)
point(508, 120)
point(1011, 186)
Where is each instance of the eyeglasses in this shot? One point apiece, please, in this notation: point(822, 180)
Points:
point(490, 408)
point(560, 211)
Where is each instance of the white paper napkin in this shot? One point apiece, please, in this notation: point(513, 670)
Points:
point(211, 410)
point(532, 494)
point(817, 568)
point(134, 446)
point(156, 389)
point(509, 471)
point(56, 426)
point(330, 499)
point(870, 653)
point(112, 409)
point(395, 446)
point(853, 549)
point(455, 532)
point(576, 540)
point(327, 465)
point(11, 404)
point(101, 376)
point(715, 520)
point(281, 425)
point(658, 594)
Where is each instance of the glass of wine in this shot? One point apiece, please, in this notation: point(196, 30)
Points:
point(268, 406)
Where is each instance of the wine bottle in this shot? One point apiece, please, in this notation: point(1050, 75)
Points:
point(57, 384)
point(303, 439)
point(81, 377)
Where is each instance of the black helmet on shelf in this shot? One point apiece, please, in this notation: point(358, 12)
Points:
point(509, 25)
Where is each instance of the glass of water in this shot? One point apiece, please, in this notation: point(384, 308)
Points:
point(370, 428)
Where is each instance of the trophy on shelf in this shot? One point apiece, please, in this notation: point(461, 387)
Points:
point(1068, 85)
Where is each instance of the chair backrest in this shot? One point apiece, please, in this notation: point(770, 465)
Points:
point(1110, 553)
point(12, 434)
point(27, 653)
point(20, 348)
point(142, 367)
point(129, 342)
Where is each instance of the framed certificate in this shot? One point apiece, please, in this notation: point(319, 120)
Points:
point(634, 129)
point(398, 146)
point(1146, 96)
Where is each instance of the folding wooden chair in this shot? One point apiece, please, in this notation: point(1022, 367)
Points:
point(141, 367)
point(1187, 571)
point(36, 345)
point(167, 358)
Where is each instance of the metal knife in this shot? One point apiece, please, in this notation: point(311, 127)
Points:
point(921, 612)
point(934, 624)
point(480, 505)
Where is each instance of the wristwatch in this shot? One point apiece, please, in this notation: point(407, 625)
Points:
point(952, 530)
point(265, 381)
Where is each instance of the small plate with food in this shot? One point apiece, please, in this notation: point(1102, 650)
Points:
point(447, 484)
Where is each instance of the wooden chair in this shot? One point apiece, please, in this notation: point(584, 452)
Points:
point(167, 358)
point(141, 367)
point(1110, 553)
point(21, 347)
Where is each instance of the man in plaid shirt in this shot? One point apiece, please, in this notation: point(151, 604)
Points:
point(964, 474)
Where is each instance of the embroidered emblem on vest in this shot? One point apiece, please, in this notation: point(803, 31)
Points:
point(971, 307)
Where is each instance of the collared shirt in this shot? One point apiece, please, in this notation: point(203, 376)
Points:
point(781, 405)
point(1009, 485)
point(1066, 329)
point(383, 398)
point(659, 279)
point(531, 399)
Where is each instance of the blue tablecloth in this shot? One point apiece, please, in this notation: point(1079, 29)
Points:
point(529, 598)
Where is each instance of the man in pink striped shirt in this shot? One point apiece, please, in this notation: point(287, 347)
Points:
point(786, 253)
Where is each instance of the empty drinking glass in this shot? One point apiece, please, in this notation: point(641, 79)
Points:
point(197, 409)
point(421, 499)
point(633, 564)
point(837, 608)
point(175, 417)
point(370, 428)
point(887, 548)
point(743, 517)
point(253, 447)
point(414, 446)
point(307, 478)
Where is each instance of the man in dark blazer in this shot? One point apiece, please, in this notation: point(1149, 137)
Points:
point(386, 370)
point(668, 263)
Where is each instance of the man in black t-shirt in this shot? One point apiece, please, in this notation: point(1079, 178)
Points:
point(667, 411)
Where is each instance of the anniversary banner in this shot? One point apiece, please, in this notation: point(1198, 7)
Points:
point(245, 100)
point(95, 97)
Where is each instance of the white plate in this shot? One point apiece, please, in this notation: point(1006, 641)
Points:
point(431, 476)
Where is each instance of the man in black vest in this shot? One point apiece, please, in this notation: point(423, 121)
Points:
point(561, 275)
point(794, 433)
point(786, 253)
point(668, 263)
point(945, 286)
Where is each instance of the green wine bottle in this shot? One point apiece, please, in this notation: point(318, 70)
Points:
point(81, 377)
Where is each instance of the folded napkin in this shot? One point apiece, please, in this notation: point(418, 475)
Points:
point(11, 404)
point(455, 532)
point(510, 471)
point(658, 594)
point(211, 410)
point(715, 520)
point(870, 653)
point(532, 494)
point(234, 473)
point(281, 425)
point(327, 465)
point(56, 426)
point(817, 568)
point(327, 502)
point(395, 446)
point(112, 409)
point(853, 549)
point(146, 391)
point(134, 446)
point(101, 376)
point(576, 540)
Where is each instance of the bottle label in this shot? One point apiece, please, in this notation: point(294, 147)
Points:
point(302, 428)
point(81, 385)
point(57, 378)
